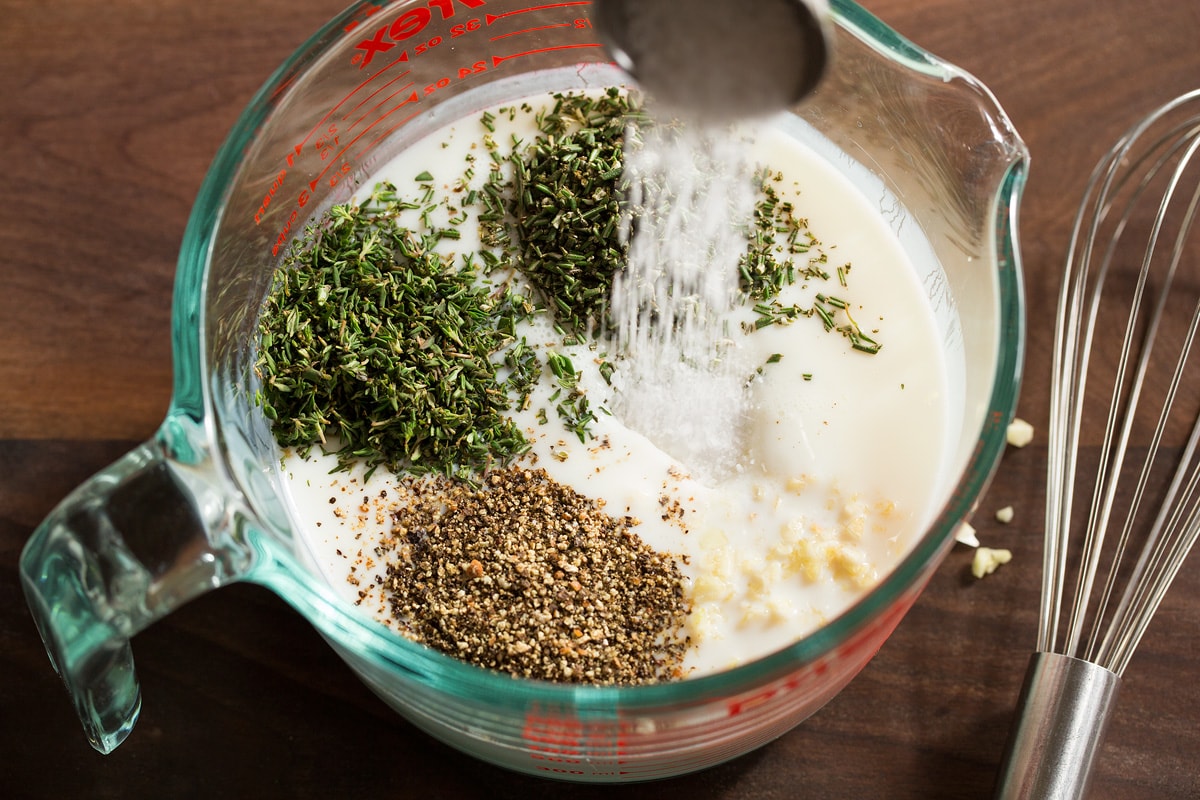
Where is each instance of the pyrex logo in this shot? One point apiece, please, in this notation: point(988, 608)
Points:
point(408, 24)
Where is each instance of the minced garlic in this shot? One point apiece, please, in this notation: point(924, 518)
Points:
point(966, 534)
point(1019, 433)
point(987, 560)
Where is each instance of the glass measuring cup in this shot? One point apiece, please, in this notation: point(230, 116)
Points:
point(201, 505)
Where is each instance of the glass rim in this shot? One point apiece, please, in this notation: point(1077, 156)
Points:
point(352, 629)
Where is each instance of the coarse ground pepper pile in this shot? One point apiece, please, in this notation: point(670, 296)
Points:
point(527, 576)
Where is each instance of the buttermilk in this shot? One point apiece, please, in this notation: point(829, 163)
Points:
point(805, 514)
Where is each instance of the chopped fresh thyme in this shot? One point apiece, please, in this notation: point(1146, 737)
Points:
point(371, 337)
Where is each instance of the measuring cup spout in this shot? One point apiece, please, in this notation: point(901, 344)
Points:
point(133, 543)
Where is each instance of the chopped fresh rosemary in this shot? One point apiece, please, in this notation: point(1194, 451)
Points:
point(769, 265)
point(776, 235)
point(574, 407)
point(565, 204)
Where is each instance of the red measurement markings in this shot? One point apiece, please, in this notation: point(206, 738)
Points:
point(372, 95)
point(498, 60)
point(441, 83)
point(582, 23)
point(464, 28)
point(269, 197)
point(345, 166)
point(385, 38)
point(291, 159)
point(374, 142)
point(531, 30)
point(382, 103)
point(493, 17)
point(563, 746)
point(325, 131)
point(283, 86)
point(361, 16)
point(404, 27)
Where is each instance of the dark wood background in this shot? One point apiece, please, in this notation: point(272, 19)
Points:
point(109, 115)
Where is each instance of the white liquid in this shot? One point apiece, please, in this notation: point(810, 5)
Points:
point(833, 478)
point(675, 298)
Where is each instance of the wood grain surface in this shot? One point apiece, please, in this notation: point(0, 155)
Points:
point(109, 115)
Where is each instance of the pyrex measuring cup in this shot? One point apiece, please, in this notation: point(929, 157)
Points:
point(201, 504)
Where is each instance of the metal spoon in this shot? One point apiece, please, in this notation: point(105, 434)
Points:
point(720, 59)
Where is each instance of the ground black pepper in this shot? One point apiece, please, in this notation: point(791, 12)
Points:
point(526, 576)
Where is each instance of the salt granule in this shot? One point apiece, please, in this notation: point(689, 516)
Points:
point(683, 384)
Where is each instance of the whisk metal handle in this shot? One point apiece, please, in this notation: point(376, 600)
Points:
point(1064, 707)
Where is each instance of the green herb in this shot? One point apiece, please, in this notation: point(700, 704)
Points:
point(371, 337)
point(836, 302)
point(827, 309)
point(574, 408)
point(524, 369)
point(767, 267)
point(606, 371)
point(774, 313)
point(825, 314)
point(565, 201)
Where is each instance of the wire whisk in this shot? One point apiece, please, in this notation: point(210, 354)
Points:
point(1124, 430)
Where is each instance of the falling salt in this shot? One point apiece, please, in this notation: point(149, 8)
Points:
point(683, 382)
point(725, 59)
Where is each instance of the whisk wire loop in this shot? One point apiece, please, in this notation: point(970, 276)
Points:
point(1118, 441)
point(1126, 412)
point(1170, 525)
point(1114, 193)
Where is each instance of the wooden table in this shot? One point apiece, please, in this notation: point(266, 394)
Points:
point(109, 114)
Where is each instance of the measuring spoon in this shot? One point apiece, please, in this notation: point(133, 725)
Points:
point(720, 59)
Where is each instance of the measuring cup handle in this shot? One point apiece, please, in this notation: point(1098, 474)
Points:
point(124, 549)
